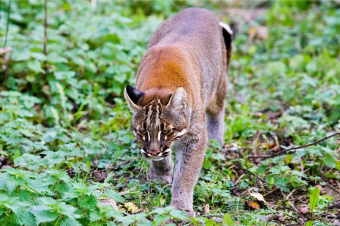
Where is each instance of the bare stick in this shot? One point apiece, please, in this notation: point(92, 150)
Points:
point(124, 163)
point(45, 37)
point(7, 26)
point(271, 191)
point(239, 179)
point(293, 148)
point(290, 194)
point(264, 181)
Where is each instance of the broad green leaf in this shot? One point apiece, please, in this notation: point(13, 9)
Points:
point(329, 160)
point(55, 58)
point(160, 218)
point(179, 214)
point(43, 214)
point(309, 223)
point(38, 56)
point(227, 220)
point(87, 202)
point(25, 218)
point(35, 66)
point(314, 198)
point(114, 195)
point(69, 222)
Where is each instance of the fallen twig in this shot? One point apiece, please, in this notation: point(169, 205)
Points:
point(276, 188)
point(119, 165)
point(290, 194)
point(239, 179)
point(45, 36)
point(7, 25)
point(293, 148)
point(264, 181)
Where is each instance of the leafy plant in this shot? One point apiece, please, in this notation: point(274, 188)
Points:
point(67, 153)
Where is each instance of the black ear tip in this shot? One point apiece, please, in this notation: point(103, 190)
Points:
point(129, 88)
point(134, 94)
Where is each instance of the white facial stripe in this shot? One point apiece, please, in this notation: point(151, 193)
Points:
point(159, 154)
point(166, 137)
point(167, 150)
point(148, 136)
point(159, 136)
point(181, 133)
point(143, 138)
point(142, 151)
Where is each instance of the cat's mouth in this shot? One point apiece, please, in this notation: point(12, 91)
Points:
point(156, 156)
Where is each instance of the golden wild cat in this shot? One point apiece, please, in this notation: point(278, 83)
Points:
point(179, 98)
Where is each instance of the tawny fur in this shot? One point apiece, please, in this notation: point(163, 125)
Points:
point(189, 50)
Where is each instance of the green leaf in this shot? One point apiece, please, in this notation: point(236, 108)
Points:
point(114, 195)
point(95, 216)
point(25, 218)
point(338, 165)
point(69, 222)
point(179, 214)
point(64, 75)
point(67, 210)
point(38, 56)
point(297, 62)
point(87, 202)
point(148, 223)
point(289, 158)
point(210, 222)
point(275, 68)
point(227, 220)
point(43, 214)
point(160, 218)
point(35, 66)
point(55, 58)
point(314, 198)
point(329, 160)
point(309, 223)
point(109, 177)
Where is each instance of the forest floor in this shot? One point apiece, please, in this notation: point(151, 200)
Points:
point(67, 152)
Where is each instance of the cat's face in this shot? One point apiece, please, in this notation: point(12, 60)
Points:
point(158, 126)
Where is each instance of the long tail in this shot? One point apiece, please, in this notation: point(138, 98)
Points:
point(228, 38)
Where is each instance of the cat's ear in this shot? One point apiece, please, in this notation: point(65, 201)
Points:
point(177, 99)
point(177, 102)
point(133, 96)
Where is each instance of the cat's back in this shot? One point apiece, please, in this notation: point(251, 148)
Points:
point(190, 27)
point(198, 31)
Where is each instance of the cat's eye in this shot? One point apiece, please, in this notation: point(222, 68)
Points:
point(143, 132)
point(166, 131)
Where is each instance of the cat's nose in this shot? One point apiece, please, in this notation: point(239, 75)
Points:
point(154, 152)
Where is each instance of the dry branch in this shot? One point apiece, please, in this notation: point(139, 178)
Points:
point(293, 148)
point(45, 37)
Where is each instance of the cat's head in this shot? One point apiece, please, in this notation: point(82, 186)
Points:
point(158, 123)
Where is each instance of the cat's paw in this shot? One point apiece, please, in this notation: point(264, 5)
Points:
point(167, 179)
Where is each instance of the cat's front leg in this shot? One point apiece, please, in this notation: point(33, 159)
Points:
point(190, 156)
point(162, 170)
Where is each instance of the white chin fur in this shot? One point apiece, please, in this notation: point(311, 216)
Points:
point(156, 159)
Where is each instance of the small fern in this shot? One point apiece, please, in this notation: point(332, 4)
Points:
point(234, 205)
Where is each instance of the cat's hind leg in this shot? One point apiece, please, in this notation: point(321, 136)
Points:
point(215, 112)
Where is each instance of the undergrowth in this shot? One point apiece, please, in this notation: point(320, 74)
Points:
point(68, 156)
